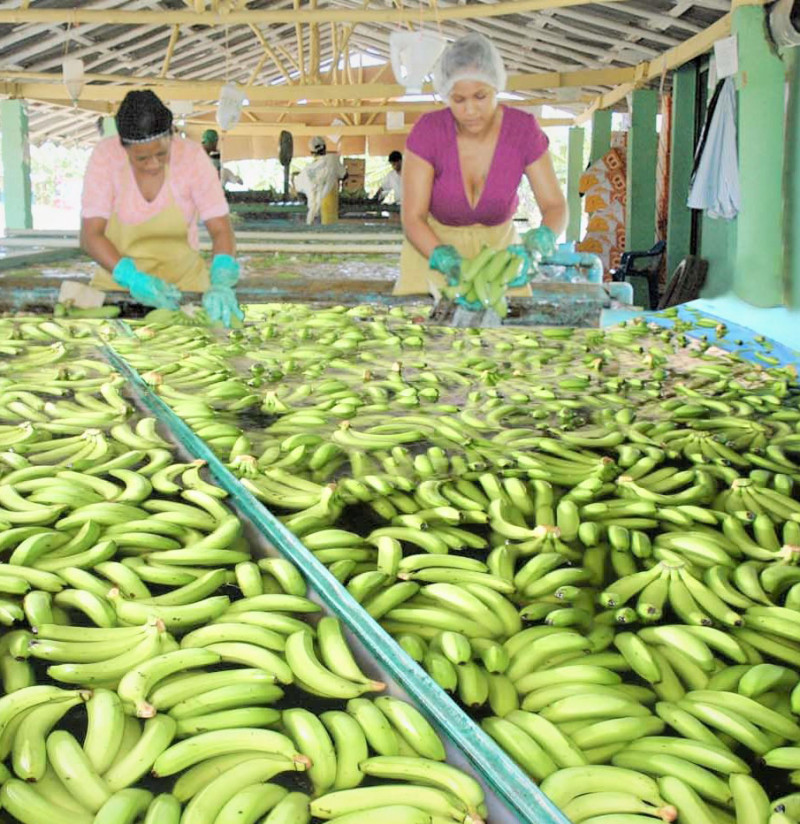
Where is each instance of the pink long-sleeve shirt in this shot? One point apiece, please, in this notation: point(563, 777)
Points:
point(109, 186)
point(521, 142)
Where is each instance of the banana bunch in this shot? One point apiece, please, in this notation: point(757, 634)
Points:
point(484, 279)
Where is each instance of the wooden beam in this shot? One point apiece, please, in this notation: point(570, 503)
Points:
point(271, 53)
point(314, 49)
point(298, 33)
point(209, 89)
point(174, 17)
point(302, 130)
point(650, 70)
point(173, 39)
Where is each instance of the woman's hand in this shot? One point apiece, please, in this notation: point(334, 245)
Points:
point(447, 260)
point(220, 300)
point(144, 288)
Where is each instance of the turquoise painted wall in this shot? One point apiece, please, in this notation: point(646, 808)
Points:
point(718, 247)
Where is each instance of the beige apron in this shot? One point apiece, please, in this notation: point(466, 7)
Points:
point(159, 246)
point(415, 274)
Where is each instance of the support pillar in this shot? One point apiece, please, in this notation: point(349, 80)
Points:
point(109, 127)
point(642, 159)
point(758, 275)
point(574, 172)
point(792, 182)
point(16, 157)
point(679, 226)
point(601, 134)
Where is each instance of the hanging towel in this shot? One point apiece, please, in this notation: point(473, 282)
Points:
point(715, 177)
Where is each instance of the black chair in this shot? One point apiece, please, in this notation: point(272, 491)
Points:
point(645, 265)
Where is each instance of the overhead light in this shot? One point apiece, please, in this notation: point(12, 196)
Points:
point(73, 76)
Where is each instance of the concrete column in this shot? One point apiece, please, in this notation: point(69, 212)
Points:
point(574, 172)
point(601, 135)
point(679, 227)
point(792, 178)
point(16, 157)
point(109, 127)
point(642, 159)
point(758, 274)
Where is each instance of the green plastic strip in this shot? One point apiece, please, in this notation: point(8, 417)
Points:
point(500, 772)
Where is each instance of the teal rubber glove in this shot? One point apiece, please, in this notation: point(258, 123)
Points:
point(541, 240)
point(144, 288)
point(447, 260)
point(221, 305)
point(220, 300)
point(524, 276)
point(224, 271)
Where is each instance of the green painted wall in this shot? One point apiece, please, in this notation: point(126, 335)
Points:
point(642, 159)
point(574, 171)
point(718, 247)
point(16, 159)
point(601, 135)
point(758, 275)
point(109, 127)
point(684, 101)
point(792, 182)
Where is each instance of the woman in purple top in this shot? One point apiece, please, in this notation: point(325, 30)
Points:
point(462, 168)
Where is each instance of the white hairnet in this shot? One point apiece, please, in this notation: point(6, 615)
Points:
point(472, 57)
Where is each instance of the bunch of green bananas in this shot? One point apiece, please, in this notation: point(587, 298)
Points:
point(484, 280)
point(592, 535)
point(142, 637)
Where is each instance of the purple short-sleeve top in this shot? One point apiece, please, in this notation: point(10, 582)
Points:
point(521, 142)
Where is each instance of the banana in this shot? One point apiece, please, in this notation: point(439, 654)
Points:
point(292, 809)
point(525, 750)
point(563, 786)
point(639, 656)
point(685, 798)
point(712, 756)
point(750, 709)
point(379, 733)
point(350, 745)
point(104, 730)
point(251, 803)
point(227, 719)
point(433, 801)
point(411, 726)
point(29, 755)
point(431, 773)
point(729, 722)
point(549, 737)
point(111, 669)
point(124, 807)
point(312, 740)
point(30, 807)
point(209, 802)
point(74, 768)
point(750, 801)
point(173, 617)
point(137, 683)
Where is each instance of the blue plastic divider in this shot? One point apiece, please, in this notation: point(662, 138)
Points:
point(500, 772)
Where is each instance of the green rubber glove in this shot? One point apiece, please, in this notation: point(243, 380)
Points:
point(447, 260)
point(220, 300)
point(146, 289)
point(541, 240)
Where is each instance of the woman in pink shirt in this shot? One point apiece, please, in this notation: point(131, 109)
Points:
point(143, 193)
point(462, 168)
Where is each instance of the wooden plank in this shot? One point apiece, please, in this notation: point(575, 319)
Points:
point(410, 14)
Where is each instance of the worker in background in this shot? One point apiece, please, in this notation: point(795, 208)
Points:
point(210, 142)
point(463, 165)
point(319, 182)
point(393, 182)
point(143, 192)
